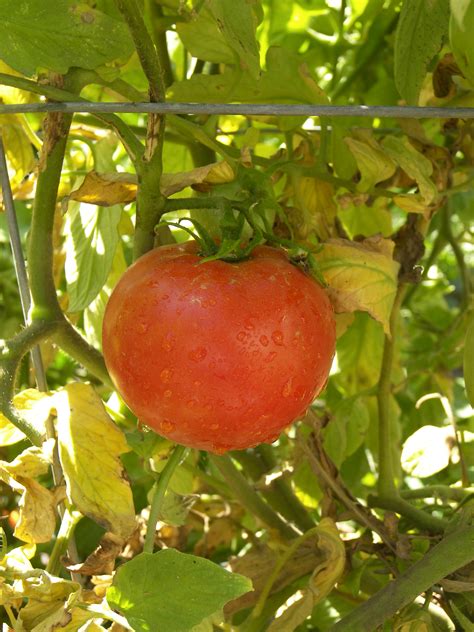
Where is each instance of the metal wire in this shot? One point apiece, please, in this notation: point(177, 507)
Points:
point(247, 109)
point(19, 263)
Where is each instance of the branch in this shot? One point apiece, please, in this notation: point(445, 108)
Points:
point(444, 492)
point(249, 497)
point(417, 516)
point(453, 552)
point(386, 482)
point(11, 354)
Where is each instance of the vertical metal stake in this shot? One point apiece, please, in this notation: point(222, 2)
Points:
point(19, 262)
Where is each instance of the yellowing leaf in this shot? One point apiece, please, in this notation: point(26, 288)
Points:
point(106, 189)
point(411, 203)
point(34, 406)
point(37, 505)
point(374, 164)
point(89, 448)
point(322, 581)
point(215, 173)
point(413, 163)
point(316, 208)
point(361, 276)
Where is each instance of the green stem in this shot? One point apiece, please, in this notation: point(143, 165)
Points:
point(453, 552)
point(159, 493)
point(458, 254)
point(11, 354)
point(71, 341)
point(131, 143)
point(438, 491)
point(249, 498)
point(150, 201)
point(159, 37)
point(66, 530)
point(417, 516)
point(386, 483)
point(40, 249)
point(149, 60)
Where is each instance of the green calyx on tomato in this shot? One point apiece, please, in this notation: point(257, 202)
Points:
point(217, 355)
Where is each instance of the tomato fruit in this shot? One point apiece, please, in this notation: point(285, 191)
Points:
point(217, 355)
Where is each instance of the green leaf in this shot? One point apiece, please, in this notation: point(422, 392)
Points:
point(468, 363)
point(170, 590)
point(461, 27)
point(57, 35)
point(413, 163)
point(359, 354)
point(286, 79)
point(374, 164)
point(422, 28)
point(237, 23)
point(91, 240)
point(203, 39)
point(347, 429)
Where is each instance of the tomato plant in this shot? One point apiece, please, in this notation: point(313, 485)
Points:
point(218, 355)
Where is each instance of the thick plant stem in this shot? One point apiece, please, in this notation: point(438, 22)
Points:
point(386, 483)
point(453, 552)
point(250, 499)
point(150, 201)
point(159, 494)
point(66, 531)
point(40, 251)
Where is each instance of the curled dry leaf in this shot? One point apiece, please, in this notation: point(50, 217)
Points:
point(108, 189)
point(102, 560)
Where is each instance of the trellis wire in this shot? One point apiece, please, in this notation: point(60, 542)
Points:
point(246, 109)
point(19, 263)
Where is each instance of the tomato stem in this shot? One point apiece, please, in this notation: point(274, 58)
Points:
point(159, 492)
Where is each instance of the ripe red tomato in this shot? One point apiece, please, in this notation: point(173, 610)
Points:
point(217, 355)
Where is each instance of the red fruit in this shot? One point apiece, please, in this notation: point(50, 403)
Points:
point(214, 355)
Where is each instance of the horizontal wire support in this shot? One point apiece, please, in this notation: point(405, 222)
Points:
point(247, 109)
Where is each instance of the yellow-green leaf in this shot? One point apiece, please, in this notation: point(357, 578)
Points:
point(32, 405)
point(106, 189)
point(322, 581)
point(361, 276)
point(89, 448)
point(468, 363)
point(215, 173)
point(414, 163)
point(374, 164)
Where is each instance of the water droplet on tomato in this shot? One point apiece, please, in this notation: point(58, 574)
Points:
point(197, 383)
point(264, 341)
point(198, 354)
point(271, 356)
point(168, 393)
point(166, 426)
point(241, 336)
point(165, 375)
point(287, 389)
point(214, 426)
point(143, 327)
point(300, 392)
point(277, 338)
point(192, 403)
point(168, 343)
point(249, 326)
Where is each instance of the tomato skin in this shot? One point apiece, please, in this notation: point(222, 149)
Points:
point(214, 355)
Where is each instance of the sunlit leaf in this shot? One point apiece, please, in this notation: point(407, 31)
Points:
point(360, 276)
point(460, 36)
point(106, 189)
point(149, 590)
point(421, 29)
point(89, 448)
point(427, 451)
point(59, 35)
